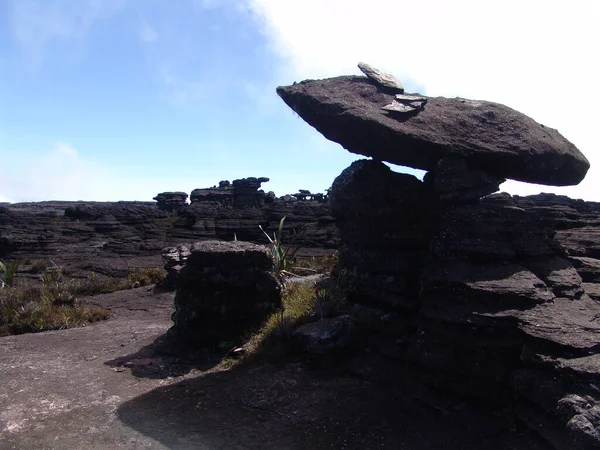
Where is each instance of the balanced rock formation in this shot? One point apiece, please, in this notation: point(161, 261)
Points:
point(485, 291)
point(488, 136)
point(170, 201)
point(225, 290)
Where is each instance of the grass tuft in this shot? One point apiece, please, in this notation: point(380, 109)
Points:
point(52, 302)
point(302, 303)
point(324, 264)
point(145, 277)
point(31, 308)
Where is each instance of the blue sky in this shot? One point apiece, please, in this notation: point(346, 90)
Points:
point(122, 99)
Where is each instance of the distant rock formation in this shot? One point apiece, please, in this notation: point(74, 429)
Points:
point(112, 238)
point(482, 293)
point(171, 201)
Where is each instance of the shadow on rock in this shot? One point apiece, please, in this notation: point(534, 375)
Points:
point(291, 407)
point(151, 362)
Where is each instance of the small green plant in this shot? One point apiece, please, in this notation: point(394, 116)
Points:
point(38, 266)
point(145, 277)
point(323, 303)
point(312, 264)
point(283, 256)
point(7, 273)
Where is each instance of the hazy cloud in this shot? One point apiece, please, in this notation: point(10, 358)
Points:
point(147, 33)
point(36, 23)
point(522, 54)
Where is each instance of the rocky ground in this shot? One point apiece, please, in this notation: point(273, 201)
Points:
point(101, 386)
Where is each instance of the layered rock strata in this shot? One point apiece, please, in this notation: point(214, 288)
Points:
point(112, 238)
point(485, 298)
point(171, 201)
point(481, 293)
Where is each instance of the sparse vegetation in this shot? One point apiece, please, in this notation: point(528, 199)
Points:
point(38, 265)
point(7, 273)
point(47, 305)
point(302, 303)
point(52, 302)
point(169, 221)
point(145, 277)
point(283, 256)
point(324, 264)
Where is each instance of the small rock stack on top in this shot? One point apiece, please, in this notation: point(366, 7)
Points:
point(484, 298)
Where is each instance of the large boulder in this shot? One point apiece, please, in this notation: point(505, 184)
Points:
point(487, 136)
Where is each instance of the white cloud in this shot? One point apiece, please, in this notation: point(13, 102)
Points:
point(36, 23)
point(147, 33)
point(534, 56)
point(62, 173)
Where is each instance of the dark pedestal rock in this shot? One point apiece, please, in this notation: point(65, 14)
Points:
point(488, 291)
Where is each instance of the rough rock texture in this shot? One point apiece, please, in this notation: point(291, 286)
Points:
point(385, 224)
point(454, 182)
point(326, 336)
point(224, 291)
point(482, 296)
point(382, 79)
point(114, 238)
point(170, 201)
point(487, 136)
point(175, 259)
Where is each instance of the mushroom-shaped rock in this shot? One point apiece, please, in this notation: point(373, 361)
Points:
point(488, 136)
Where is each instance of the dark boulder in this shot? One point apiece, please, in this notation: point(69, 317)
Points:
point(487, 136)
point(225, 290)
point(326, 336)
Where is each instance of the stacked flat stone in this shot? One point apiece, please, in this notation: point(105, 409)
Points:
point(225, 290)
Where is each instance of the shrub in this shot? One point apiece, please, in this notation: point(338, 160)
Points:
point(283, 256)
point(32, 307)
point(38, 266)
point(7, 273)
point(145, 277)
point(324, 264)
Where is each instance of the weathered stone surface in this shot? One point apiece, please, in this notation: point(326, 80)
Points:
point(386, 220)
point(455, 183)
point(171, 201)
point(487, 136)
point(382, 79)
point(326, 336)
point(113, 238)
point(588, 268)
point(485, 285)
point(175, 259)
point(558, 274)
point(225, 290)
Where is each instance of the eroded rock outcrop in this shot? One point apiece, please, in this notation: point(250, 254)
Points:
point(485, 292)
point(112, 238)
point(171, 201)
